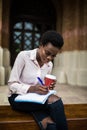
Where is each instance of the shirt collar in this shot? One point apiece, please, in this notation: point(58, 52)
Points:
point(33, 56)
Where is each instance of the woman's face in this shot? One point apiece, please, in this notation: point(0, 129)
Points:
point(47, 53)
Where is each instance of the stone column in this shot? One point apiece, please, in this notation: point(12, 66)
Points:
point(2, 70)
point(0, 20)
point(6, 64)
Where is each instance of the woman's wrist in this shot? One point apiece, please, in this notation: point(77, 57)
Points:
point(31, 89)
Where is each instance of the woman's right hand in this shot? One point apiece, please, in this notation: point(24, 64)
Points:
point(38, 89)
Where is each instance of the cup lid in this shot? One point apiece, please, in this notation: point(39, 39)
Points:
point(50, 76)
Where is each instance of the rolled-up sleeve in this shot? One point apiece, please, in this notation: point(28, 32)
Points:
point(14, 83)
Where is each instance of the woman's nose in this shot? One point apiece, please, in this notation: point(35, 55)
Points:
point(50, 57)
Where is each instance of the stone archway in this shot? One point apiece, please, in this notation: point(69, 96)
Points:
point(28, 21)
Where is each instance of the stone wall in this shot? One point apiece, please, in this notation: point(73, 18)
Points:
point(71, 68)
point(72, 24)
point(5, 67)
point(71, 65)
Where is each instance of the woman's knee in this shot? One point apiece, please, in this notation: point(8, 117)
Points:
point(53, 98)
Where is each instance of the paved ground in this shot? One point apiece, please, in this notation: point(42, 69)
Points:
point(69, 94)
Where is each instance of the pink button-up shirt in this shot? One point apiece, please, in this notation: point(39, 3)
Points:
point(25, 72)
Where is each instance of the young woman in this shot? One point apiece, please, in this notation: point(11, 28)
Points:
point(23, 79)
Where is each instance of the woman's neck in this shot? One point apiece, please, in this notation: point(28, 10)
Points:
point(39, 58)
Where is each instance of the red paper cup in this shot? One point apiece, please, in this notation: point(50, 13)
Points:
point(49, 79)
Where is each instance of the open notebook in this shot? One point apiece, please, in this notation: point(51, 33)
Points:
point(33, 97)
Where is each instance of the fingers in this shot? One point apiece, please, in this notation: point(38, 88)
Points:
point(42, 90)
point(38, 89)
point(52, 85)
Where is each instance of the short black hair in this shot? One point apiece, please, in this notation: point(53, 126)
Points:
point(53, 37)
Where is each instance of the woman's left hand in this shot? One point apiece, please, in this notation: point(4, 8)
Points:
point(52, 85)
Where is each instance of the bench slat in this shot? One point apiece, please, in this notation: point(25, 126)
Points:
point(12, 120)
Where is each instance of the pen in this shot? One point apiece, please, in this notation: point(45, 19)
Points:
point(40, 81)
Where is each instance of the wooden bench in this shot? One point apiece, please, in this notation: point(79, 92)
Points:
point(76, 116)
point(12, 120)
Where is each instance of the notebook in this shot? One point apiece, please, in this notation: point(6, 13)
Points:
point(33, 97)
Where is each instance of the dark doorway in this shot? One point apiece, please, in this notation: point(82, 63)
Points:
point(28, 20)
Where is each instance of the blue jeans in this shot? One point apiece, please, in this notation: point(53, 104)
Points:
point(41, 111)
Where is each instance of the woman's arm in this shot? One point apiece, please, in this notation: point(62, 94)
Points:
point(14, 83)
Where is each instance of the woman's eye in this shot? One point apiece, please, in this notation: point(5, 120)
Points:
point(47, 53)
point(53, 55)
